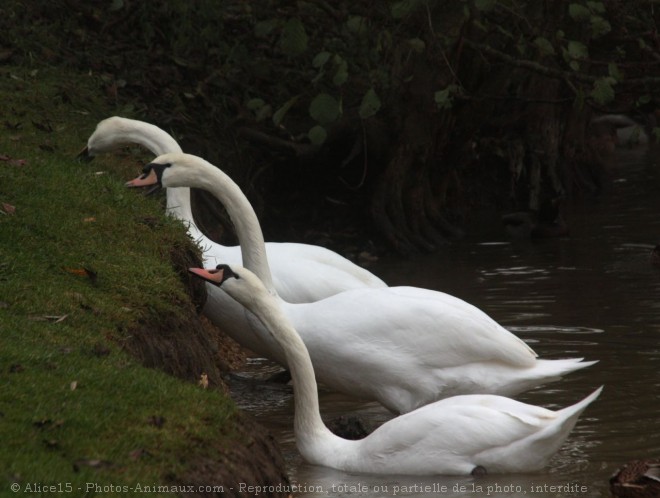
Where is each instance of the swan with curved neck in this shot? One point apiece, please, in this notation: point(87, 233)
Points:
point(333, 273)
point(457, 436)
point(402, 346)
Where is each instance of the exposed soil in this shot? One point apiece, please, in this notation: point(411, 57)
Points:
point(187, 345)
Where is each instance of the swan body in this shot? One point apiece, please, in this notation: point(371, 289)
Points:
point(402, 346)
point(454, 436)
point(292, 263)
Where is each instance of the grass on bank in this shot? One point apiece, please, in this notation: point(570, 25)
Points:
point(82, 260)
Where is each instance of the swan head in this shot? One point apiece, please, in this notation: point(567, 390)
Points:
point(152, 176)
point(108, 135)
point(174, 169)
point(216, 276)
point(240, 283)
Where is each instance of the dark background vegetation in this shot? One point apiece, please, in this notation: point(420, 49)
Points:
point(366, 124)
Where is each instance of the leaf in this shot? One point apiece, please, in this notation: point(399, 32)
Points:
point(260, 109)
point(278, 117)
point(614, 71)
point(82, 272)
point(324, 108)
point(370, 104)
point(341, 76)
point(603, 91)
point(599, 26)
point(116, 5)
point(544, 46)
point(264, 28)
point(578, 12)
point(577, 50)
point(255, 104)
point(293, 40)
point(317, 135)
point(444, 99)
point(598, 7)
point(644, 99)
point(485, 5)
point(320, 59)
point(417, 45)
point(264, 113)
point(357, 25)
point(204, 381)
point(8, 208)
point(49, 318)
point(402, 9)
point(656, 133)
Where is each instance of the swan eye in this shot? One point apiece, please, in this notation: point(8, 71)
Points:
point(228, 272)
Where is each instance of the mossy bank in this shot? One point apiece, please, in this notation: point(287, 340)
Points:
point(92, 292)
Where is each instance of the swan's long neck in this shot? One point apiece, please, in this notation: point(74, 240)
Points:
point(246, 223)
point(159, 142)
point(315, 441)
point(149, 136)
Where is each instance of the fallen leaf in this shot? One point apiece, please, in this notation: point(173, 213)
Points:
point(45, 126)
point(42, 422)
point(16, 368)
point(89, 220)
point(82, 272)
point(73, 385)
point(52, 444)
point(99, 350)
point(139, 453)
point(8, 208)
point(49, 318)
point(91, 462)
point(12, 162)
point(157, 421)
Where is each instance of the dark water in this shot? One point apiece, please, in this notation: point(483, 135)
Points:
point(594, 294)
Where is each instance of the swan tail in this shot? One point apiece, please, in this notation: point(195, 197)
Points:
point(573, 412)
point(534, 452)
point(559, 368)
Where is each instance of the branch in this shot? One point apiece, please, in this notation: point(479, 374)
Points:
point(553, 72)
point(276, 143)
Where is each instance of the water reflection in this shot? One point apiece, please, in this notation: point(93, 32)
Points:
point(593, 294)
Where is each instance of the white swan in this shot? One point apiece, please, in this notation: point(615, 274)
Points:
point(457, 435)
point(402, 346)
point(292, 263)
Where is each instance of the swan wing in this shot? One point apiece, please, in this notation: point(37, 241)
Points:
point(410, 326)
point(443, 436)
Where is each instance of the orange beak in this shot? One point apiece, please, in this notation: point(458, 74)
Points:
point(213, 276)
point(144, 180)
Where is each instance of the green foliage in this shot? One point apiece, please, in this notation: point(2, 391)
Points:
point(281, 112)
point(544, 46)
point(293, 40)
point(370, 104)
point(444, 99)
point(574, 52)
point(325, 108)
point(603, 91)
point(317, 135)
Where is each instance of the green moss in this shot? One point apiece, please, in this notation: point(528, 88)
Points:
point(83, 260)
